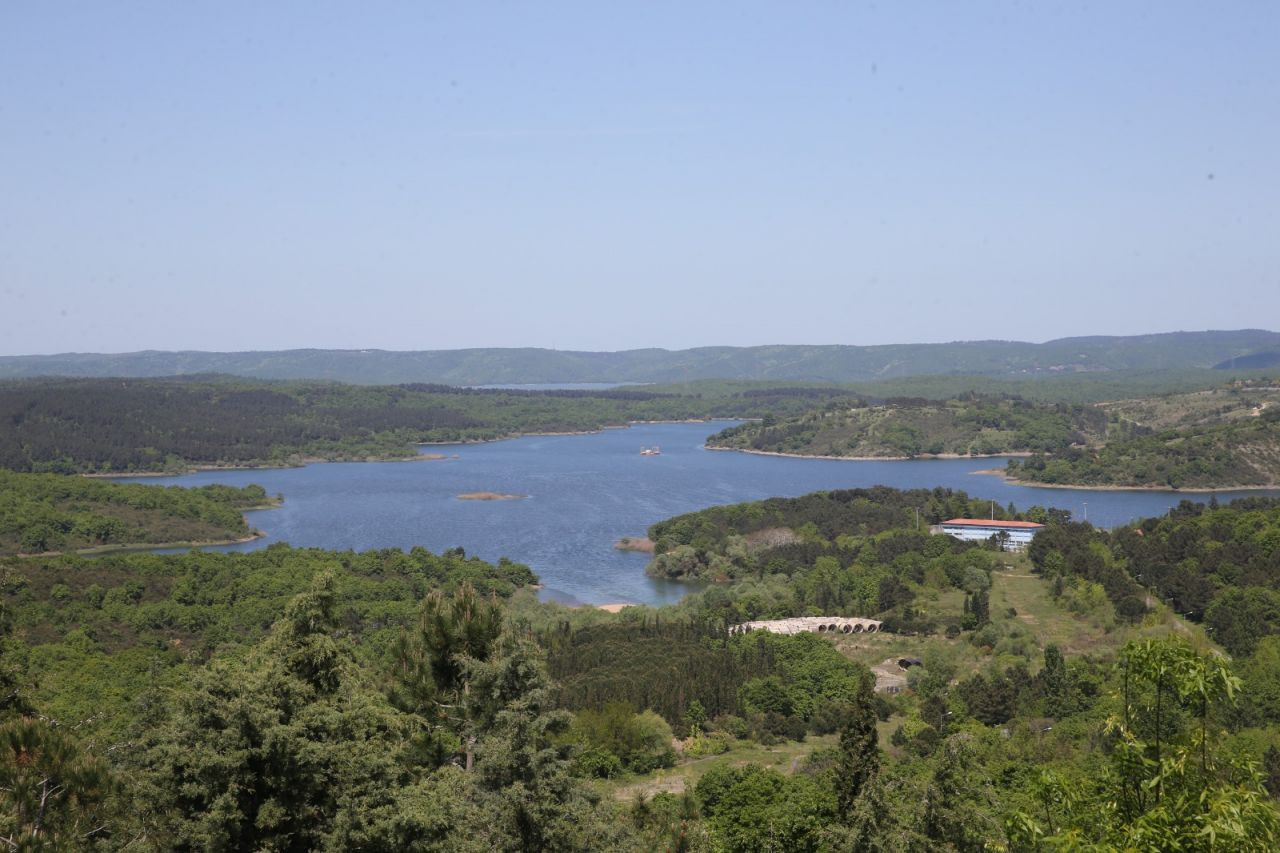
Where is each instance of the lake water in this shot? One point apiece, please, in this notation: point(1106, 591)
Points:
point(586, 491)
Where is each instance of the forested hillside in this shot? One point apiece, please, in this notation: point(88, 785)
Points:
point(74, 426)
point(1240, 453)
point(49, 512)
point(826, 363)
point(1241, 399)
point(914, 427)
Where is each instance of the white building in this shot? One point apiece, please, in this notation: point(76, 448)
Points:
point(981, 529)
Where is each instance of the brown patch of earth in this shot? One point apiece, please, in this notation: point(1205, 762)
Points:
point(643, 544)
point(772, 537)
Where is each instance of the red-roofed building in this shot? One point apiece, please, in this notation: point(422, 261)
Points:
point(1020, 533)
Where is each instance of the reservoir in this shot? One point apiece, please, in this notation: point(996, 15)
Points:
point(584, 492)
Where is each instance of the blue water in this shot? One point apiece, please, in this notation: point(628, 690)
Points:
point(587, 491)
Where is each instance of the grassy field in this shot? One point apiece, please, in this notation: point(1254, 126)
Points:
point(784, 757)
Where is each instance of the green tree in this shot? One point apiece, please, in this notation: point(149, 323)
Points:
point(52, 792)
point(859, 752)
point(293, 749)
point(522, 762)
point(1054, 683)
point(433, 662)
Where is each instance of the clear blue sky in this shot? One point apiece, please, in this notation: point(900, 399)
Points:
point(617, 175)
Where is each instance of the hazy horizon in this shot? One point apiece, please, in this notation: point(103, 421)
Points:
point(578, 177)
point(639, 348)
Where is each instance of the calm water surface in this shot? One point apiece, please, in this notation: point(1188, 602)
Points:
point(587, 491)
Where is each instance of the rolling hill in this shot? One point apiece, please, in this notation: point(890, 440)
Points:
point(836, 363)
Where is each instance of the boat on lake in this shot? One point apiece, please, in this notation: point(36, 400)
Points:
point(651, 451)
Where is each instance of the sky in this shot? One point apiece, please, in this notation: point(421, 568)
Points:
point(604, 176)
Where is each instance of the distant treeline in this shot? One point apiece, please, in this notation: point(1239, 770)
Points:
point(50, 512)
point(102, 425)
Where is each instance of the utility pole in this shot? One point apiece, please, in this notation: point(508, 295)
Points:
point(917, 518)
point(993, 510)
point(1086, 510)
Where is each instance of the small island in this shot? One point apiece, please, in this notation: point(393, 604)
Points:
point(490, 496)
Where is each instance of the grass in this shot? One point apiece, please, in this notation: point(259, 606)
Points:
point(784, 757)
point(1029, 596)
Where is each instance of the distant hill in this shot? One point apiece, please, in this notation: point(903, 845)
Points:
point(818, 363)
point(1251, 361)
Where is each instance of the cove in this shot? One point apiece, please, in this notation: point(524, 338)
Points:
point(580, 493)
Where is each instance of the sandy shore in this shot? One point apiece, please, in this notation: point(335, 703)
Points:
point(1033, 484)
point(613, 608)
point(642, 544)
point(922, 456)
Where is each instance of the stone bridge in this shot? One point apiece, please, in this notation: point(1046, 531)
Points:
point(811, 625)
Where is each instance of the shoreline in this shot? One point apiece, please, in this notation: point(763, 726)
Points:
point(98, 550)
point(923, 457)
point(516, 435)
point(613, 608)
point(1035, 484)
point(302, 462)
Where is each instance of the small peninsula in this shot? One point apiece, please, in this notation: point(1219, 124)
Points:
point(51, 513)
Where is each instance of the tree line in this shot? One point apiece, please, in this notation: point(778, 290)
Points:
point(128, 425)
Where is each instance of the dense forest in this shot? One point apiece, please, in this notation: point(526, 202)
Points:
point(76, 426)
point(913, 427)
point(130, 617)
point(1240, 453)
point(49, 512)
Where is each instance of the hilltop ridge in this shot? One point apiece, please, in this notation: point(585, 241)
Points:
point(834, 363)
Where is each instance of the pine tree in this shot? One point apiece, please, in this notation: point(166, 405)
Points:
point(859, 751)
point(1053, 683)
point(291, 749)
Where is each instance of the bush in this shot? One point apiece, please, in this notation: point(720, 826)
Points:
point(712, 743)
point(732, 725)
point(596, 763)
point(640, 742)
